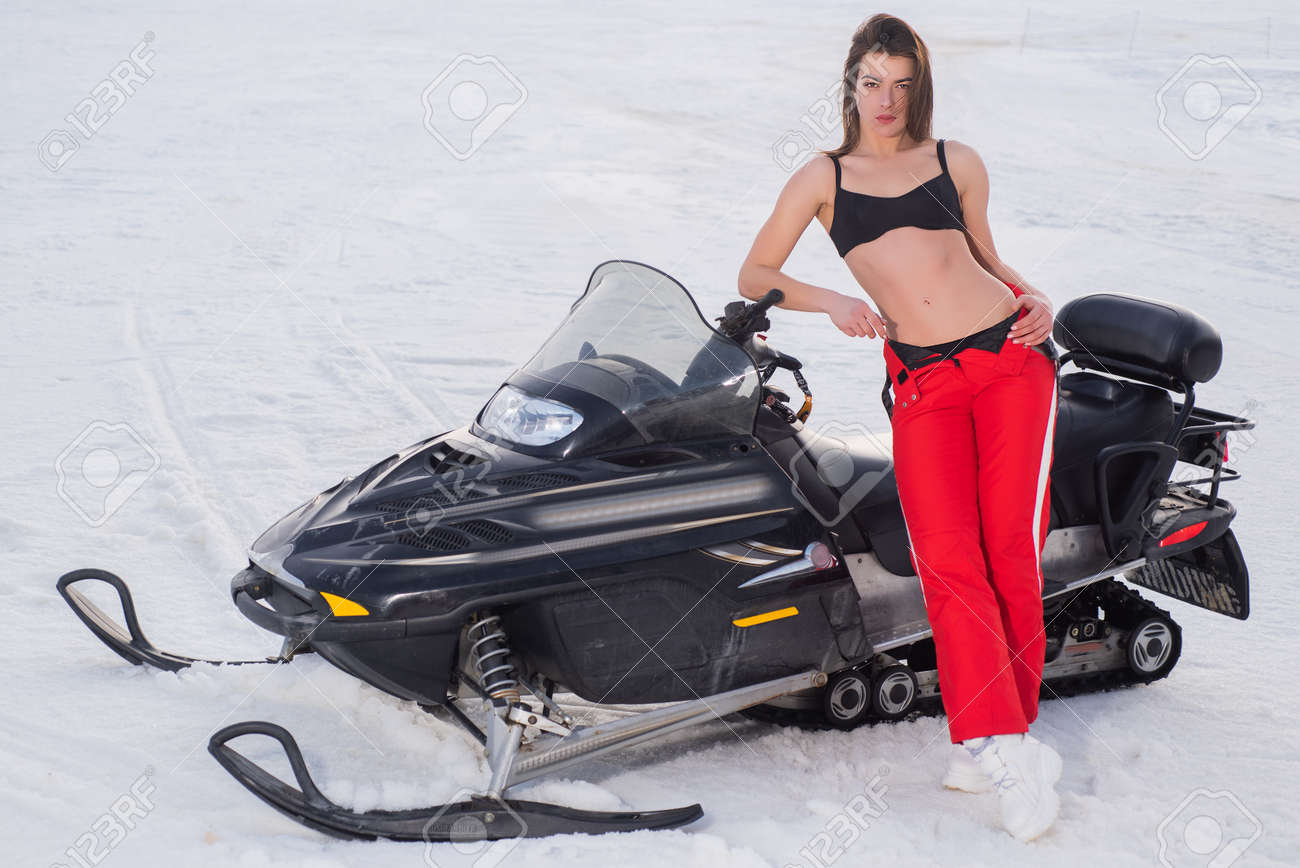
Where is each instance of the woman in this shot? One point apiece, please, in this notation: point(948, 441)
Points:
point(974, 375)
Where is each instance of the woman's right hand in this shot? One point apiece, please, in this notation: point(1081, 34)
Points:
point(854, 317)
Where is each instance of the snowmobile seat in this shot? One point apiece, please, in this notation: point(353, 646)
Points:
point(1153, 341)
point(843, 458)
point(860, 470)
point(1095, 411)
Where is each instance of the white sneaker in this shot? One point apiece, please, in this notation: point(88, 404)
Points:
point(1023, 770)
point(965, 773)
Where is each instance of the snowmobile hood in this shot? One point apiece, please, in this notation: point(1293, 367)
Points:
point(458, 517)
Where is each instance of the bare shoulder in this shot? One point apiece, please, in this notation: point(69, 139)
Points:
point(963, 159)
point(812, 184)
point(818, 174)
point(966, 167)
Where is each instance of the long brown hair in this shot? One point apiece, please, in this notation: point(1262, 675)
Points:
point(878, 36)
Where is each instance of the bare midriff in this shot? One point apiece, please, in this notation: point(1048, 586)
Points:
point(927, 286)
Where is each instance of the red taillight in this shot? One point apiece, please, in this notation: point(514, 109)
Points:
point(1186, 533)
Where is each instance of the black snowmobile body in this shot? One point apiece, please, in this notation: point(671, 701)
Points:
point(611, 533)
point(579, 555)
point(637, 516)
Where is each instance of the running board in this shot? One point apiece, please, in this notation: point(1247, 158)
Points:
point(893, 608)
point(129, 641)
point(551, 752)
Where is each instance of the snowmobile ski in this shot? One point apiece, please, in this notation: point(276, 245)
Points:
point(479, 818)
point(129, 642)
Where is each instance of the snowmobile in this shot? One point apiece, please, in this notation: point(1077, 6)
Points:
point(639, 516)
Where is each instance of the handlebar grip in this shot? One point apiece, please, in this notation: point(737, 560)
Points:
point(740, 320)
point(774, 296)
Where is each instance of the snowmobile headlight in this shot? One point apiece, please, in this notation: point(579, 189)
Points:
point(523, 418)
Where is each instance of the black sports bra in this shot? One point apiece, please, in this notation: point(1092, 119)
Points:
point(860, 218)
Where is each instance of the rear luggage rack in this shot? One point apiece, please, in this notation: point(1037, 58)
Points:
point(1205, 443)
point(1127, 475)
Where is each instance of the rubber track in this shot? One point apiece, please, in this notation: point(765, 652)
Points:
point(1070, 685)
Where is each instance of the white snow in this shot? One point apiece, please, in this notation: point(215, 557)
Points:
point(267, 267)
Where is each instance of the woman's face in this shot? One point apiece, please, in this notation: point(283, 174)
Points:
point(881, 94)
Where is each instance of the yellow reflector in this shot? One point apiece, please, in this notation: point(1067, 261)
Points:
point(766, 616)
point(341, 606)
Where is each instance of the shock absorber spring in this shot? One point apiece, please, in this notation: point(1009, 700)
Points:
point(491, 656)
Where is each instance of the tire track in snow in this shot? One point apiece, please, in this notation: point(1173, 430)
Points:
point(441, 417)
point(163, 403)
point(160, 404)
point(215, 625)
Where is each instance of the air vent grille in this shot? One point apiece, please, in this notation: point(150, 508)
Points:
point(435, 501)
point(457, 537)
point(436, 539)
point(488, 531)
point(536, 481)
point(446, 458)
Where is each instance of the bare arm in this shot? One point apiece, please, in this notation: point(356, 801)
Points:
point(803, 196)
point(973, 185)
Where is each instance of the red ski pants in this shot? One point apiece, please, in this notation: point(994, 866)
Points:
point(972, 457)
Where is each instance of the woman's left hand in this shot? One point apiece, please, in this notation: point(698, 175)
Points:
point(1035, 326)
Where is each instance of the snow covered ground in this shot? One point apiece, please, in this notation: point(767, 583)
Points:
point(266, 266)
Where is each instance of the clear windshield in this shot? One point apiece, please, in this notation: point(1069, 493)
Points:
point(636, 340)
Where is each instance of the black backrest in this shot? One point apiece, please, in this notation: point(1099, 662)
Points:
point(1149, 334)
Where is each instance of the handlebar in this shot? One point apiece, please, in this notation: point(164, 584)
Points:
point(740, 320)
